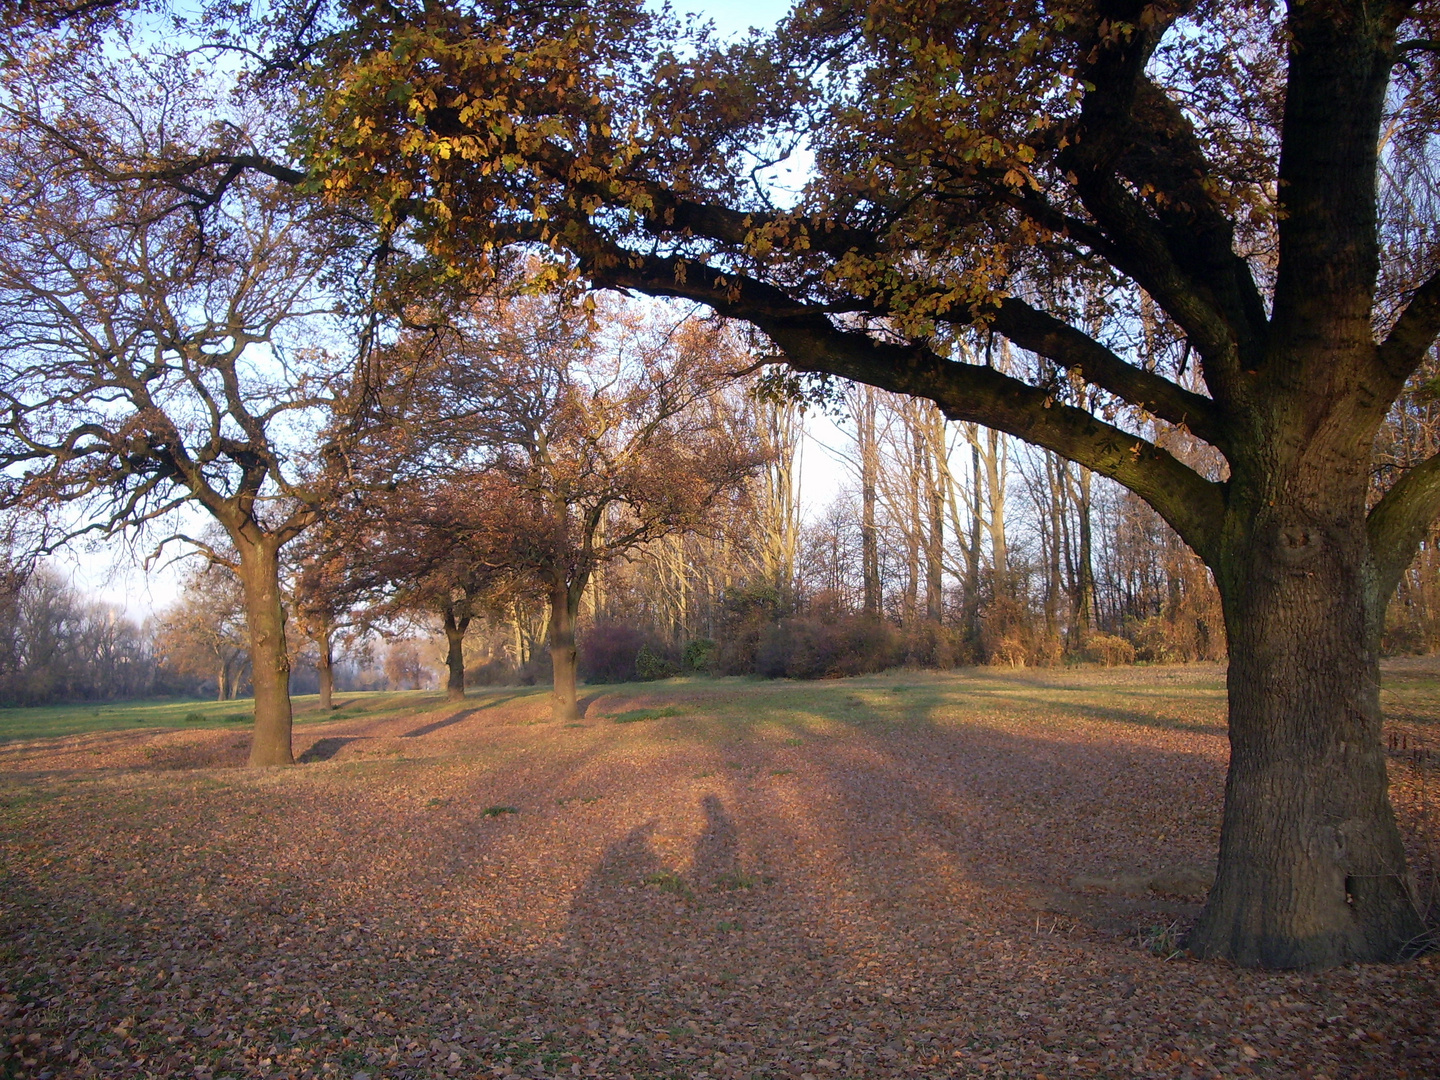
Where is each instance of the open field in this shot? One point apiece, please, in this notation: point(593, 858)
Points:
point(978, 874)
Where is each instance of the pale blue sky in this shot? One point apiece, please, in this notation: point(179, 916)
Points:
point(737, 16)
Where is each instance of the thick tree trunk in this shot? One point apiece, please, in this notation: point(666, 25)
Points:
point(1311, 871)
point(564, 700)
point(325, 667)
point(269, 661)
point(455, 655)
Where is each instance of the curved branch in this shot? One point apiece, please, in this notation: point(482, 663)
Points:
point(1399, 521)
point(1055, 340)
point(1414, 332)
point(1191, 504)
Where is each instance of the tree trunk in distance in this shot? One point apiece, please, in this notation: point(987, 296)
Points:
point(269, 660)
point(995, 488)
point(222, 682)
point(934, 478)
point(1085, 594)
point(972, 550)
point(563, 702)
point(326, 669)
point(869, 479)
point(1312, 870)
point(454, 655)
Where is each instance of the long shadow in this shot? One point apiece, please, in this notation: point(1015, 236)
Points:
point(717, 849)
point(462, 715)
point(327, 748)
point(453, 718)
point(1129, 717)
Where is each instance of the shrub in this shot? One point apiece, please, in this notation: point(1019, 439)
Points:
point(608, 651)
point(1109, 650)
point(750, 615)
point(929, 644)
point(698, 655)
point(498, 672)
point(806, 647)
point(650, 665)
point(1179, 637)
point(1003, 633)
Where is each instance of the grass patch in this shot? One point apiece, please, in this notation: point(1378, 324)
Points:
point(499, 811)
point(739, 879)
point(47, 721)
point(1165, 941)
point(634, 716)
point(669, 881)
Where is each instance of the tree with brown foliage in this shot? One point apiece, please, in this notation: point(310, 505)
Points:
point(563, 439)
point(203, 635)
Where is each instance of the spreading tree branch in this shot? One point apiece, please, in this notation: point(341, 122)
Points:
point(812, 343)
point(1399, 521)
point(1414, 332)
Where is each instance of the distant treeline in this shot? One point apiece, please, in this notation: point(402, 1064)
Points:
point(57, 646)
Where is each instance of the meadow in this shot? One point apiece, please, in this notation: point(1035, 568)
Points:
point(981, 873)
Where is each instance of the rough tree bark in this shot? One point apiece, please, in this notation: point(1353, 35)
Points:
point(270, 662)
point(564, 606)
point(456, 624)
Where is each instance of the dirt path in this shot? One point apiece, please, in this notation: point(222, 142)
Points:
point(883, 877)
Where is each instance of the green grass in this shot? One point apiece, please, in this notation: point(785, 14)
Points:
point(670, 882)
point(50, 720)
point(634, 716)
point(785, 714)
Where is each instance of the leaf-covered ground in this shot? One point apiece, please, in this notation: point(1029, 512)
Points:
point(905, 876)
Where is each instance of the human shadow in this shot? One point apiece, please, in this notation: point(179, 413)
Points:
point(886, 944)
point(717, 849)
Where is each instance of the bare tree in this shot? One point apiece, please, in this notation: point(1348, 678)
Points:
point(159, 350)
point(204, 633)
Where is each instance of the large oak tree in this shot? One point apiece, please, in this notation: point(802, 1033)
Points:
point(1214, 169)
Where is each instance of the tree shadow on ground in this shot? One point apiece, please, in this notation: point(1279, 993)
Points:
point(326, 748)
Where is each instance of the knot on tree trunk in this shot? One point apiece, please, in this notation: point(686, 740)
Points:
point(1296, 545)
